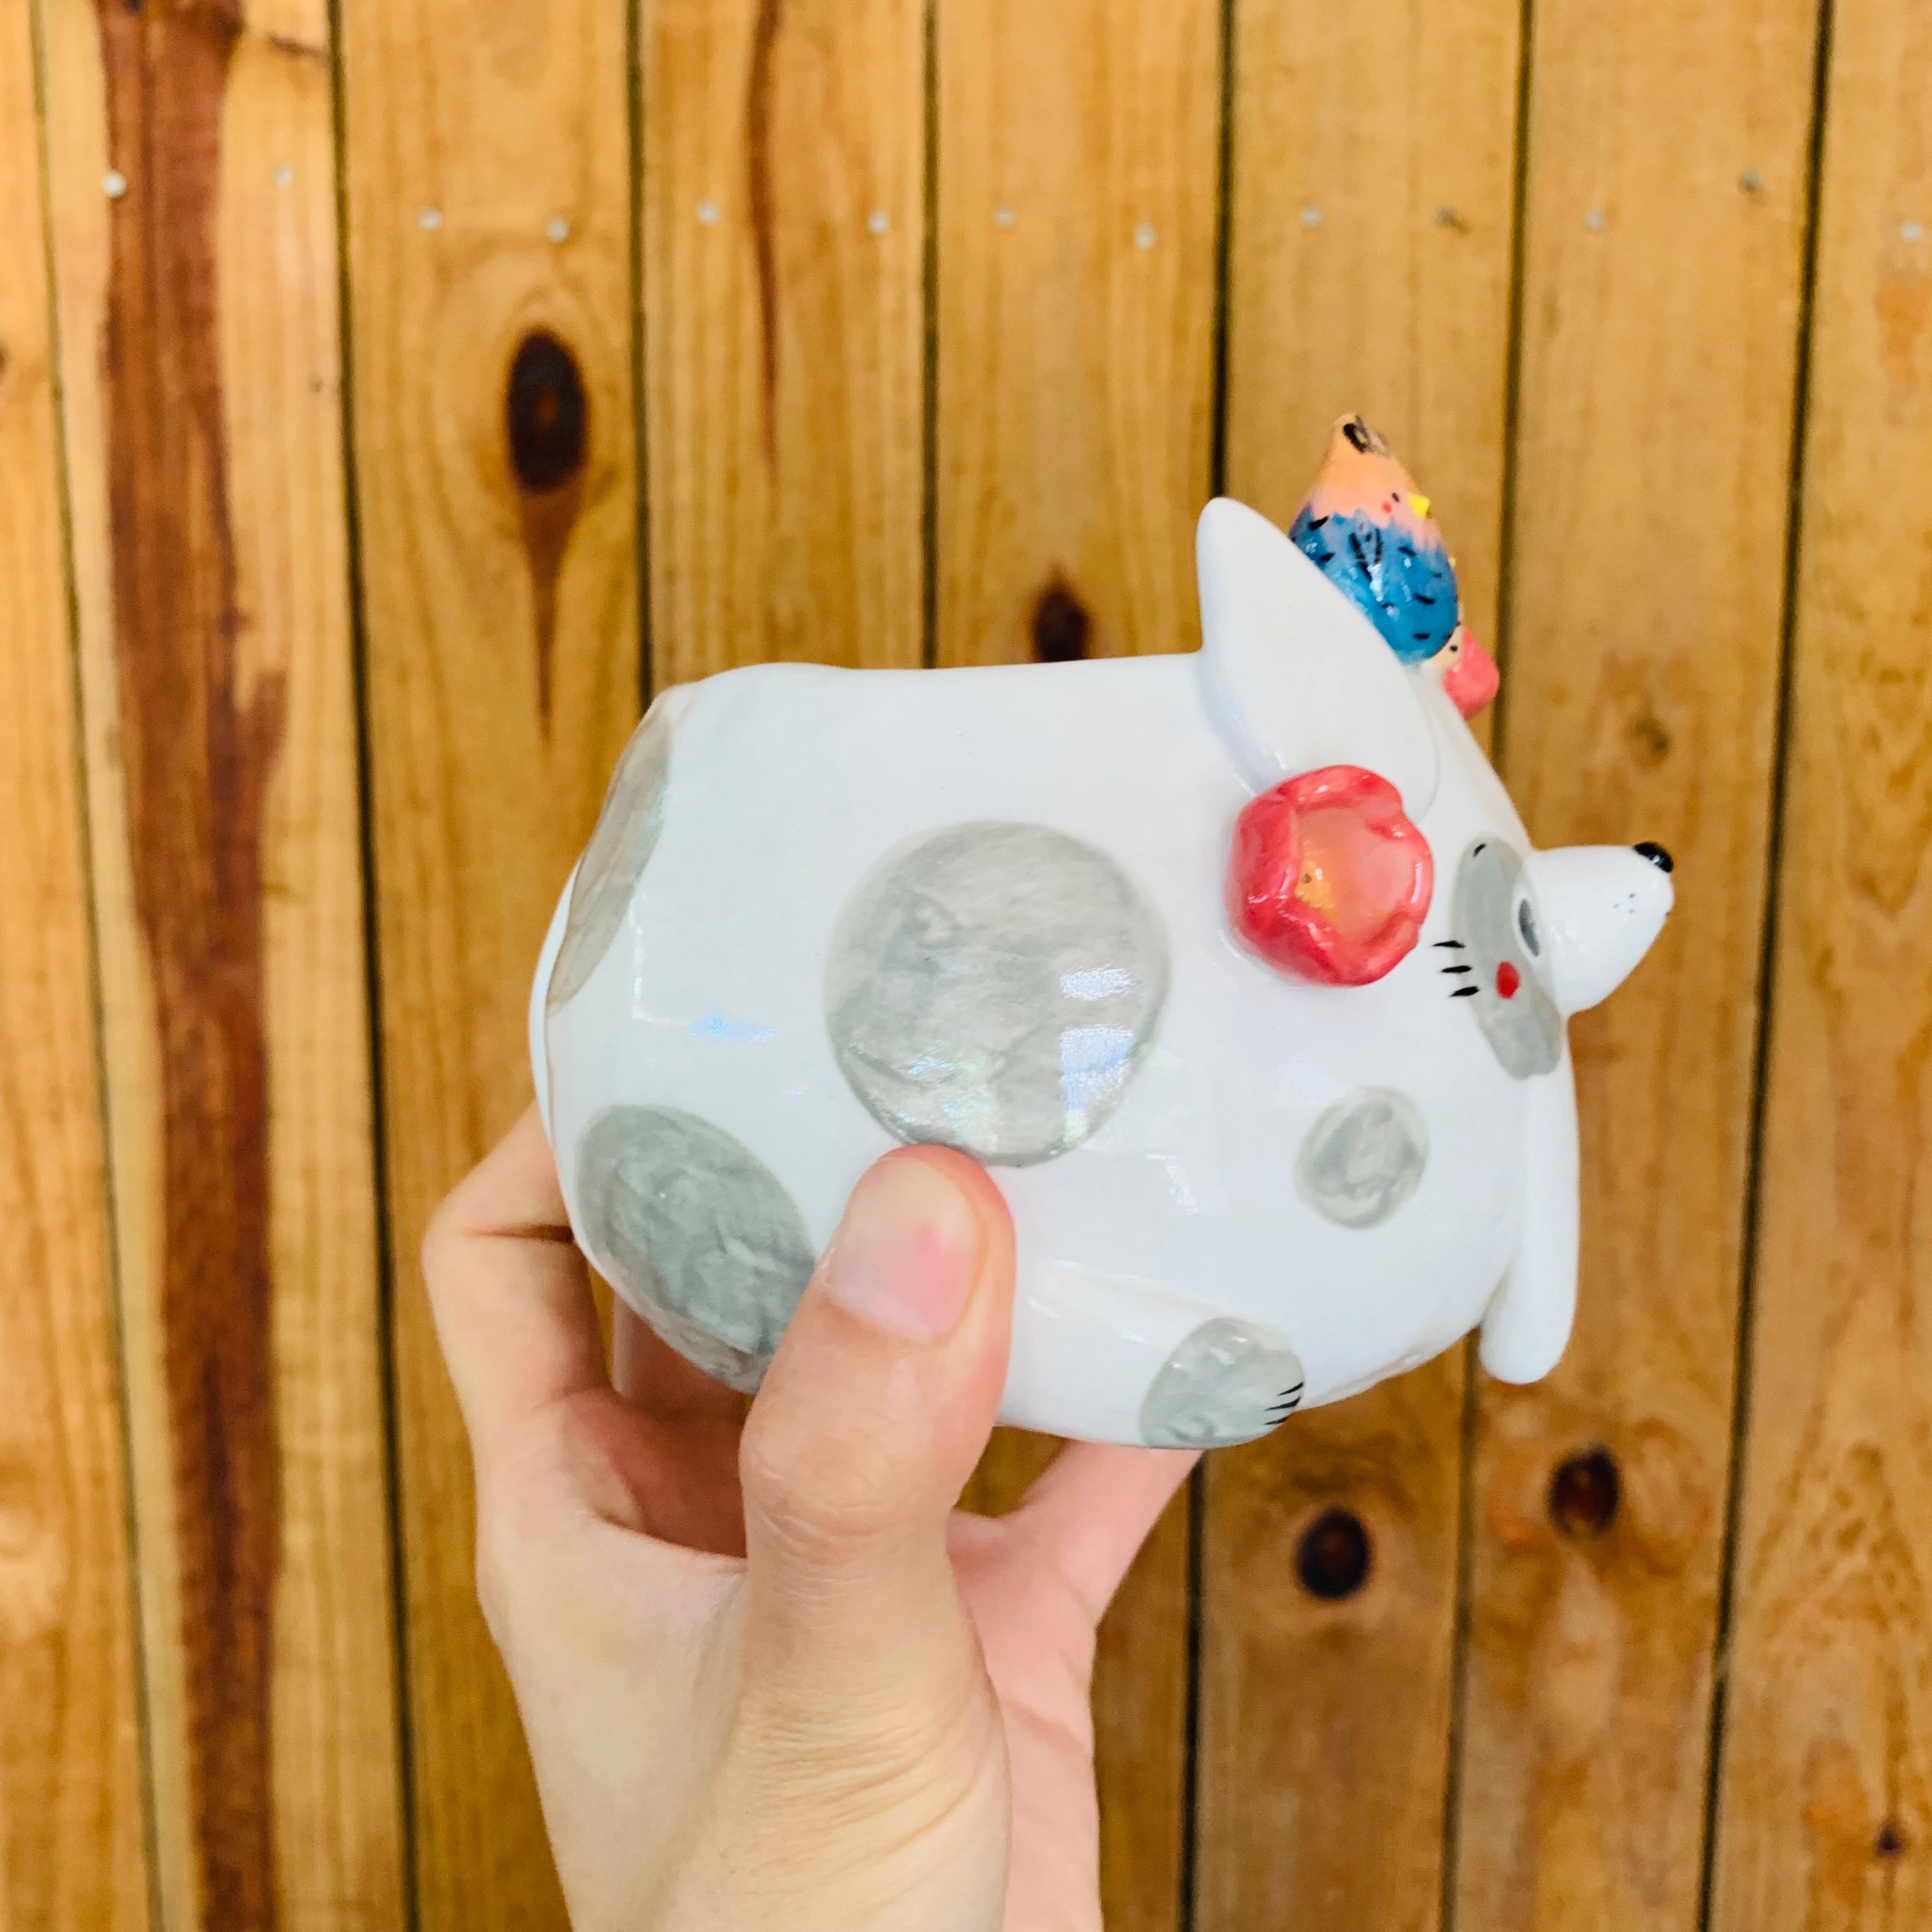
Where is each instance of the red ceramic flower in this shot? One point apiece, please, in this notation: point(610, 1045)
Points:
point(1327, 879)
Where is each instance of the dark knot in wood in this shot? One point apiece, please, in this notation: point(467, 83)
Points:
point(1333, 1556)
point(546, 421)
point(1061, 625)
point(1586, 1492)
point(546, 414)
point(1650, 738)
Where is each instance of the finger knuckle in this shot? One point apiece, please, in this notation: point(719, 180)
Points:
point(439, 1239)
point(820, 1483)
point(495, 1571)
point(516, 1510)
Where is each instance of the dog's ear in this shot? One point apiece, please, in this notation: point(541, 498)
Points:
point(1296, 677)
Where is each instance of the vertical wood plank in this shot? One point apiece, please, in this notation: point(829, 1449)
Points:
point(1077, 162)
point(784, 236)
point(488, 176)
point(1141, 1672)
point(198, 297)
point(71, 1838)
point(1370, 249)
point(1663, 266)
point(1826, 1799)
point(1078, 156)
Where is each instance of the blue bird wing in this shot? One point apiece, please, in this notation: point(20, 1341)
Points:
point(1402, 582)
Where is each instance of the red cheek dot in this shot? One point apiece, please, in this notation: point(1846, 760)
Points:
point(1508, 980)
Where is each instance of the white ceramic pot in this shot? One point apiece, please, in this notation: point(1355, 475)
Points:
point(1237, 968)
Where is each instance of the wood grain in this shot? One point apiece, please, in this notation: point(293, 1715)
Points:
point(1369, 269)
point(490, 302)
point(71, 1840)
point(1328, 1595)
point(1078, 155)
point(1078, 151)
point(201, 377)
point(1370, 248)
point(1661, 306)
point(1825, 1804)
point(784, 227)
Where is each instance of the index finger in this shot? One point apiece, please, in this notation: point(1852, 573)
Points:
point(1092, 1507)
point(510, 1291)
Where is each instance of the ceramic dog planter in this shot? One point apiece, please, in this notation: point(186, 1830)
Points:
point(1237, 969)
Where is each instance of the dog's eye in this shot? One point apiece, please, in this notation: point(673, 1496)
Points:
point(1526, 924)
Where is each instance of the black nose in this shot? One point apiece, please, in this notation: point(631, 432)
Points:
point(1651, 850)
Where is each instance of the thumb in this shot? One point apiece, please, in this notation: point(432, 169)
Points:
point(877, 1406)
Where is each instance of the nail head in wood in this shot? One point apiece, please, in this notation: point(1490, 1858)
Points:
point(430, 220)
point(114, 184)
point(1146, 236)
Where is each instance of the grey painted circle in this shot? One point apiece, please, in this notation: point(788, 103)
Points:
point(1525, 1031)
point(697, 1234)
point(994, 987)
point(614, 861)
point(1229, 1382)
point(1363, 1157)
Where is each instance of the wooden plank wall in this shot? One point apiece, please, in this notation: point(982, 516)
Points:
point(192, 224)
point(1824, 1782)
point(72, 1834)
point(391, 395)
point(784, 240)
point(1660, 299)
point(485, 164)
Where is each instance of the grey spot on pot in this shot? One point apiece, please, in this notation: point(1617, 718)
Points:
point(614, 861)
point(1228, 1382)
point(994, 987)
point(1363, 1157)
point(698, 1234)
point(1523, 1028)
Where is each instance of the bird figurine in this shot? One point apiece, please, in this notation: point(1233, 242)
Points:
point(1466, 672)
point(1367, 527)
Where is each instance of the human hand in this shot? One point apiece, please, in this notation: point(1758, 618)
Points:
point(771, 1677)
